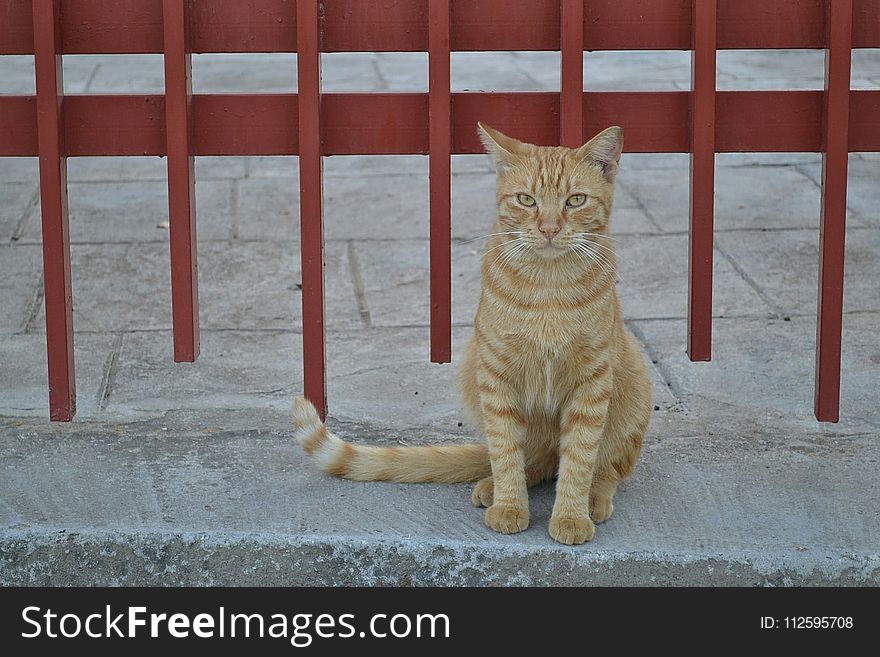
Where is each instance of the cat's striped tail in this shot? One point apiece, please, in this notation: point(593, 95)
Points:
point(436, 463)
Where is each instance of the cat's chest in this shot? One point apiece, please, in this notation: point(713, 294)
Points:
point(553, 330)
point(546, 379)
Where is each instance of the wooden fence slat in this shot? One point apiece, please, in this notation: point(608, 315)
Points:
point(308, 34)
point(181, 180)
point(702, 181)
point(832, 231)
point(439, 149)
point(53, 197)
point(571, 100)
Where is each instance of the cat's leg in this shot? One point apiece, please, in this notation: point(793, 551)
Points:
point(602, 495)
point(582, 422)
point(483, 492)
point(618, 453)
point(505, 429)
point(628, 415)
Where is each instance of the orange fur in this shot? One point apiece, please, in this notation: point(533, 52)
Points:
point(551, 376)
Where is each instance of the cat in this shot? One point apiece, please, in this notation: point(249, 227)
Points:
point(552, 377)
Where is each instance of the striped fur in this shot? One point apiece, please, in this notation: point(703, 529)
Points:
point(436, 463)
point(551, 376)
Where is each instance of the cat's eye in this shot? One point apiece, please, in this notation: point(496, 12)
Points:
point(576, 200)
point(526, 200)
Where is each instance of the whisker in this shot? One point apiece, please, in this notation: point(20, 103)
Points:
point(584, 232)
point(601, 246)
point(506, 256)
point(509, 244)
point(502, 245)
point(597, 258)
point(482, 237)
point(602, 256)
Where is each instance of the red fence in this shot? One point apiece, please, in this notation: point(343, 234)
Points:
point(311, 124)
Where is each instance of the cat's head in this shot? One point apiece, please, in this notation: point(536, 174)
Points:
point(552, 198)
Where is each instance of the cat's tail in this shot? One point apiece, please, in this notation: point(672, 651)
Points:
point(448, 464)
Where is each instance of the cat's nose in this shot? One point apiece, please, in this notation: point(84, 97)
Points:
point(550, 231)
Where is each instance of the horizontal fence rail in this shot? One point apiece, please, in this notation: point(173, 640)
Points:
point(240, 26)
point(311, 124)
point(397, 123)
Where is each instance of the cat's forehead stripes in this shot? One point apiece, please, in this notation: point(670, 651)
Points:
point(554, 171)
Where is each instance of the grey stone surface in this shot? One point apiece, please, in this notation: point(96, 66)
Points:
point(653, 280)
point(785, 266)
point(20, 282)
point(745, 197)
point(403, 71)
point(235, 370)
point(18, 170)
point(142, 74)
point(118, 287)
point(236, 73)
point(862, 185)
point(158, 503)
point(491, 71)
point(126, 287)
point(642, 70)
point(140, 169)
point(23, 390)
point(16, 201)
point(184, 473)
point(345, 72)
point(135, 211)
point(762, 372)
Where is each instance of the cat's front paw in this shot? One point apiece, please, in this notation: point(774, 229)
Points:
point(601, 508)
point(507, 519)
point(571, 530)
point(484, 492)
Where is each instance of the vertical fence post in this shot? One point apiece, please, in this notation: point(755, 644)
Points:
point(181, 178)
point(439, 154)
point(702, 180)
point(832, 231)
point(308, 39)
point(571, 110)
point(53, 197)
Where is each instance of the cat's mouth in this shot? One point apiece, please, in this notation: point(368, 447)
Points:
point(550, 250)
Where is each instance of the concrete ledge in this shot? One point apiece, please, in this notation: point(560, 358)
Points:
point(53, 558)
point(177, 501)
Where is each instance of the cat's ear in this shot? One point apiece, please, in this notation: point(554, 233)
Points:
point(604, 149)
point(503, 149)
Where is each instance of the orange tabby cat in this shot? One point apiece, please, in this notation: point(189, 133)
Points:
point(552, 377)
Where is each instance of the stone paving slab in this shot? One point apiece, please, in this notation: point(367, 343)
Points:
point(785, 266)
point(23, 389)
point(20, 280)
point(236, 369)
point(862, 186)
point(745, 197)
point(139, 169)
point(248, 285)
point(762, 371)
point(126, 212)
point(16, 201)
